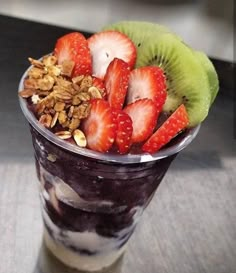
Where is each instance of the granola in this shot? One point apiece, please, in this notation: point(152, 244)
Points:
point(60, 102)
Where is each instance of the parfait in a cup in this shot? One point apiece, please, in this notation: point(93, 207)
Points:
point(107, 116)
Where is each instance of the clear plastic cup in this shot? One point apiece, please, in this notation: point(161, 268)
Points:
point(92, 202)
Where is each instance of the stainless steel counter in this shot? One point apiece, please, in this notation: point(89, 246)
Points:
point(189, 227)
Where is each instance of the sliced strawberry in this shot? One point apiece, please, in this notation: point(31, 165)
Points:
point(144, 114)
point(124, 131)
point(99, 83)
point(74, 47)
point(168, 130)
point(107, 45)
point(116, 82)
point(100, 126)
point(147, 82)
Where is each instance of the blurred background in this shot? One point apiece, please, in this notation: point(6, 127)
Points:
point(204, 24)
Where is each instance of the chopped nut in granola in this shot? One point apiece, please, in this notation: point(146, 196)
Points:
point(94, 92)
point(66, 124)
point(36, 73)
point(62, 118)
point(36, 63)
point(49, 102)
point(81, 111)
point(71, 110)
point(61, 94)
point(54, 71)
point(46, 120)
point(76, 100)
point(84, 96)
point(54, 119)
point(49, 60)
point(63, 134)
point(86, 83)
point(59, 106)
point(63, 83)
point(40, 107)
point(76, 87)
point(31, 83)
point(74, 124)
point(46, 83)
point(79, 138)
point(26, 93)
point(67, 68)
point(78, 79)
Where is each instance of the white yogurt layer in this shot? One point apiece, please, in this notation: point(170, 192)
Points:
point(106, 249)
point(81, 262)
point(89, 240)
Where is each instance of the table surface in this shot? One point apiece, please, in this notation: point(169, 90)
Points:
point(189, 227)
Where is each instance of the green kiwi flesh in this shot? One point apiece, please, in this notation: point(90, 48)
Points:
point(187, 81)
point(211, 73)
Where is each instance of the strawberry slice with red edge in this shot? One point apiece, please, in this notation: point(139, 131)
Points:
point(116, 82)
point(124, 131)
point(147, 82)
point(99, 84)
point(144, 114)
point(74, 47)
point(107, 45)
point(100, 126)
point(168, 130)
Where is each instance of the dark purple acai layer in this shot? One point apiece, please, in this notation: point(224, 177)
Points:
point(125, 186)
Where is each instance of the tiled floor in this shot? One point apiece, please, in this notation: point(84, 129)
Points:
point(206, 25)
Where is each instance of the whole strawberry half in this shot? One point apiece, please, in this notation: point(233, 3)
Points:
point(74, 47)
point(124, 131)
point(144, 114)
point(107, 45)
point(100, 126)
point(168, 130)
point(147, 82)
point(116, 82)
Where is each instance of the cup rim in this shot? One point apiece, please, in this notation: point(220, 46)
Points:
point(116, 158)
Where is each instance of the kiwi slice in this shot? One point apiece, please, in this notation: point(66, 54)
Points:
point(211, 73)
point(187, 82)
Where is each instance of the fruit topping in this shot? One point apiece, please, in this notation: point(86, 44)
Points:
point(116, 82)
point(132, 85)
point(144, 114)
point(124, 131)
point(107, 45)
point(74, 47)
point(147, 82)
point(168, 130)
point(100, 126)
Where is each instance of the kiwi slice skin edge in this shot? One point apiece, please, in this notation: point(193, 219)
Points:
point(211, 73)
point(187, 82)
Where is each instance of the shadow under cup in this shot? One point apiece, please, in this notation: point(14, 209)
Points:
point(91, 202)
